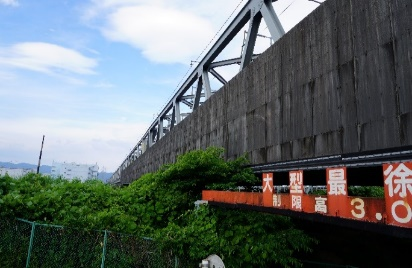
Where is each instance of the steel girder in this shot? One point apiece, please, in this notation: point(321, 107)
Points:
point(252, 12)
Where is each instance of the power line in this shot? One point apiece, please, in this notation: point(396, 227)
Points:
point(288, 7)
point(220, 29)
point(283, 11)
point(315, 1)
point(191, 64)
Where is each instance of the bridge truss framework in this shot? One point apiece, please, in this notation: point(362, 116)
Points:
point(171, 115)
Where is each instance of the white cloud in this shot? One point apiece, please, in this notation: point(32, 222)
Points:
point(173, 31)
point(6, 76)
point(9, 2)
point(104, 85)
point(164, 35)
point(46, 58)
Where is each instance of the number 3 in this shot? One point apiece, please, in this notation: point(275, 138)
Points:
point(360, 206)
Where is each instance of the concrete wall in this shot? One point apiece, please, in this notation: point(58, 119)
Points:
point(339, 82)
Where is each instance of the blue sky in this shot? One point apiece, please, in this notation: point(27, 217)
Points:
point(91, 75)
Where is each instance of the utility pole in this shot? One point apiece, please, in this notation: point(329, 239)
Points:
point(41, 150)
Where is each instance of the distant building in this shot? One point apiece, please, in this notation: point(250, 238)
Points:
point(74, 171)
point(15, 172)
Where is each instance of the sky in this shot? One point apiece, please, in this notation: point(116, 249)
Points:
point(92, 75)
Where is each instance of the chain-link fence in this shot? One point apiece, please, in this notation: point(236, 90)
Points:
point(29, 244)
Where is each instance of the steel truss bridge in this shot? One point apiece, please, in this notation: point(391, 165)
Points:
point(253, 13)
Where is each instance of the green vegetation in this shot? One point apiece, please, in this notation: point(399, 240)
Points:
point(367, 191)
point(161, 205)
point(364, 191)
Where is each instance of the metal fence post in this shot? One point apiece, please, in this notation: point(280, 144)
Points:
point(33, 226)
point(104, 248)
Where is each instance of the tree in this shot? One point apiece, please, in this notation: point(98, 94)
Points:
point(241, 238)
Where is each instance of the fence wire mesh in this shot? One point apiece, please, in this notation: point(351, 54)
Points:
point(14, 242)
point(29, 244)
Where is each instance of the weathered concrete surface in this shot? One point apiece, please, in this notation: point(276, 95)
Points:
point(339, 82)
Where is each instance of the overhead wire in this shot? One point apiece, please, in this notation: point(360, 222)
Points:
point(280, 14)
point(287, 7)
point(231, 14)
point(185, 75)
point(217, 33)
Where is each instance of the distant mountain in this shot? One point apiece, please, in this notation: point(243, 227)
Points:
point(104, 176)
point(44, 169)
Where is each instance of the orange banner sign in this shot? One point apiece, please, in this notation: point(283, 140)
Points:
point(267, 186)
point(296, 189)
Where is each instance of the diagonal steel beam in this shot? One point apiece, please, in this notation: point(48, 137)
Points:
point(249, 45)
point(272, 21)
point(218, 76)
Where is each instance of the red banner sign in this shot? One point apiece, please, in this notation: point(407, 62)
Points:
point(337, 190)
point(267, 186)
point(296, 189)
point(398, 193)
